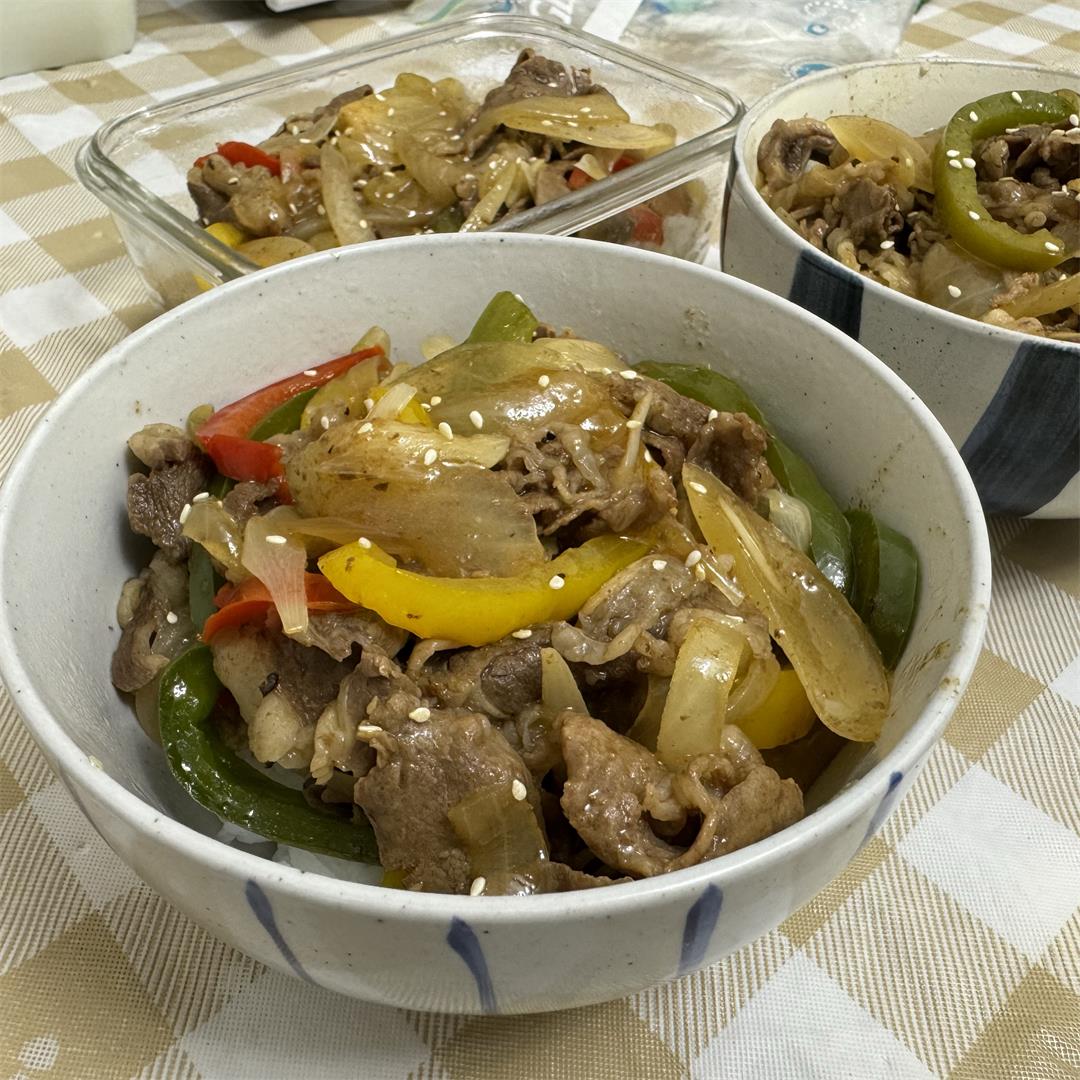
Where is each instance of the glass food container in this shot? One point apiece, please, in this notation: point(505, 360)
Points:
point(137, 164)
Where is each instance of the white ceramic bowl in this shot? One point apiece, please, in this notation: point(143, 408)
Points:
point(1009, 400)
point(65, 549)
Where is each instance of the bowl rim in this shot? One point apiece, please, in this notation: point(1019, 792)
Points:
point(317, 888)
point(767, 217)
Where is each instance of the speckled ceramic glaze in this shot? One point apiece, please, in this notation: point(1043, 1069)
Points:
point(65, 550)
point(1010, 401)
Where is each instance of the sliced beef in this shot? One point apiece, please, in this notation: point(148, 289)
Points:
point(641, 818)
point(670, 412)
point(211, 204)
point(157, 445)
point(789, 145)
point(1053, 149)
point(422, 770)
point(156, 499)
point(732, 447)
point(337, 103)
point(338, 633)
point(498, 680)
point(281, 689)
point(142, 613)
point(249, 498)
point(869, 212)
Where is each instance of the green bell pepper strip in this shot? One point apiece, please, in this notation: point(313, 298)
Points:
point(506, 318)
point(284, 419)
point(830, 537)
point(956, 195)
point(886, 583)
point(234, 790)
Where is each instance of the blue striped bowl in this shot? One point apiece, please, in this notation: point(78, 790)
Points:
point(1010, 401)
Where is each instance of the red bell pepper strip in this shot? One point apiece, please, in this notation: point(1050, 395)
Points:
point(250, 602)
point(242, 153)
point(239, 418)
point(648, 225)
point(578, 178)
point(244, 459)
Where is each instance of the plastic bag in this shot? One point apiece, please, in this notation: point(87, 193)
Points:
point(749, 47)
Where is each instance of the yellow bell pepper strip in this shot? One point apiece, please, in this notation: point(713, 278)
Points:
point(476, 611)
point(886, 582)
point(506, 318)
point(833, 653)
point(411, 413)
point(957, 197)
point(784, 716)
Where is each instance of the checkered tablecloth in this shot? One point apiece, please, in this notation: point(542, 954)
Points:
point(951, 947)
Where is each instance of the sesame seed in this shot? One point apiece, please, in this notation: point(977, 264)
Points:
point(633, 425)
point(969, 162)
point(311, 371)
point(886, 245)
point(431, 456)
point(1074, 119)
point(699, 488)
point(294, 129)
point(1015, 95)
point(292, 208)
point(1011, 131)
point(973, 115)
point(363, 429)
point(519, 790)
point(952, 153)
point(390, 111)
point(544, 381)
point(480, 883)
point(1052, 247)
point(201, 497)
point(364, 542)
point(276, 538)
point(476, 420)
point(954, 291)
point(368, 729)
point(522, 634)
point(436, 400)
point(693, 559)
point(648, 457)
point(714, 413)
point(954, 164)
point(606, 371)
point(421, 715)
point(348, 131)
point(699, 572)
point(546, 123)
point(974, 215)
point(557, 582)
point(172, 618)
point(363, 223)
point(325, 423)
point(426, 406)
point(320, 210)
point(659, 564)
point(445, 430)
point(629, 373)
point(184, 513)
point(233, 180)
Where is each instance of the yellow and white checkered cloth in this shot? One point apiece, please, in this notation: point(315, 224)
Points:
point(951, 948)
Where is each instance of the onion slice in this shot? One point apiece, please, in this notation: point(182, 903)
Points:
point(278, 560)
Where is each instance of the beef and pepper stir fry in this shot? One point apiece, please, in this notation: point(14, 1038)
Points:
point(521, 618)
point(422, 157)
point(981, 217)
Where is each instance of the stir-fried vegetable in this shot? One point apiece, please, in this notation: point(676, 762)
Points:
point(237, 792)
point(242, 153)
point(506, 318)
point(784, 716)
point(1046, 299)
point(831, 650)
point(869, 139)
point(886, 582)
point(251, 600)
point(705, 671)
point(476, 611)
point(958, 203)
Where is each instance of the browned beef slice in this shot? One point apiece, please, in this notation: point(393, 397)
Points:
point(161, 444)
point(336, 104)
point(732, 447)
point(156, 499)
point(670, 413)
point(498, 680)
point(869, 212)
point(148, 599)
point(243, 501)
point(620, 798)
point(336, 633)
point(1053, 148)
point(537, 76)
point(422, 770)
point(787, 147)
